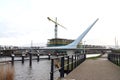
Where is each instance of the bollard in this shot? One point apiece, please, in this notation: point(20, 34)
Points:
point(1, 54)
point(57, 54)
point(30, 62)
point(12, 56)
point(49, 56)
point(52, 70)
point(38, 57)
point(23, 55)
point(62, 68)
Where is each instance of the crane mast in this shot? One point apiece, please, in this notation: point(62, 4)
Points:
point(56, 26)
point(56, 29)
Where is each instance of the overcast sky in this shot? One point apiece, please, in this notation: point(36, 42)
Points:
point(23, 21)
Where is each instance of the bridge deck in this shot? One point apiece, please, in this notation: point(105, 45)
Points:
point(99, 69)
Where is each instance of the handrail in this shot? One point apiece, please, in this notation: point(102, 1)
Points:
point(70, 65)
point(114, 58)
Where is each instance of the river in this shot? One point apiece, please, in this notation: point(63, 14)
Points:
point(39, 70)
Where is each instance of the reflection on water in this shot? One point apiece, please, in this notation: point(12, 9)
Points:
point(39, 71)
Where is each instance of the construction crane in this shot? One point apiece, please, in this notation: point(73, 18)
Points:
point(56, 25)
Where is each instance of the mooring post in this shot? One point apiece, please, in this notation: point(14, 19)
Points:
point(38, 57)
point(49, 56)
point(57, 54)
point(12, 56)
point(1, 54)
point(23, 55)
point(30, 62)
point(52, 70)
point(62, 67)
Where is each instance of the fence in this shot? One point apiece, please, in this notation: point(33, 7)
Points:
point(114, 58)
point(67, 64)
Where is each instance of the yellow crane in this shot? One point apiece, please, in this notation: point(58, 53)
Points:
point(56, 25)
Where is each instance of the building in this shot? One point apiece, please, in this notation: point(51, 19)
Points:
point(60, 42)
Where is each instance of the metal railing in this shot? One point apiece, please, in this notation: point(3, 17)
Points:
point(114, 58)
point(67, 64)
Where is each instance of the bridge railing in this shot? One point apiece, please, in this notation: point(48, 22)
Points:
point(114, 58)
point(67, 64)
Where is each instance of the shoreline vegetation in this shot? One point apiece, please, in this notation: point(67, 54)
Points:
point(6, 71)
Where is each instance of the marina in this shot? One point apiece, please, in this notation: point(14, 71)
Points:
point(39, 70)
point(59, 40)
point(60, 60)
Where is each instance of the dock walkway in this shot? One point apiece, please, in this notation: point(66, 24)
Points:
point(95, 69)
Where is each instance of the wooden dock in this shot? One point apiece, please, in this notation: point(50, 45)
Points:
point(95, 69)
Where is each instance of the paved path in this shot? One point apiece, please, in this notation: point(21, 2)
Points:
point(98, 69)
